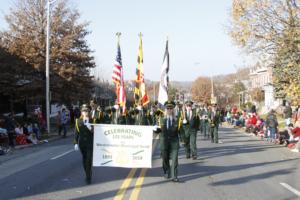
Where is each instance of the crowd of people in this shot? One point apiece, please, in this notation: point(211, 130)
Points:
point(16, 130)
point(268, 127)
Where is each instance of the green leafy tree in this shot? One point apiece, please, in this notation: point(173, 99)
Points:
point(270, 31)
point(70, 55)
point(201, 89)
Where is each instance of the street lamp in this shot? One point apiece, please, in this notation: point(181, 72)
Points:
point(47, 64)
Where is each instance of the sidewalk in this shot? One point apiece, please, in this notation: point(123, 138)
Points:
point(45, 138)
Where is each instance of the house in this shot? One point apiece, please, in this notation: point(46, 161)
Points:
point(261, 78)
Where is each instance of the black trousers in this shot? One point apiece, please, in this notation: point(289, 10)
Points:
point(87, 158)
point(11, 139)
point(170, 152)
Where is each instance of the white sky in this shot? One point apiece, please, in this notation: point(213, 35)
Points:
point(198, 42)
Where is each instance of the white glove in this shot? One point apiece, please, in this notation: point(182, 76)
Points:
point(88, 125)
point(116, 107)
point(155, 128)
point(76, 148)
point(184, 121)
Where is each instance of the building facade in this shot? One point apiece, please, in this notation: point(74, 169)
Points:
point(261, 78)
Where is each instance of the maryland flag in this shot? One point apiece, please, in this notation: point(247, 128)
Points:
point(140, 95)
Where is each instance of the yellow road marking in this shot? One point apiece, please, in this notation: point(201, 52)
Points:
point(137, 188)
point(125, 185)
point(139, 182)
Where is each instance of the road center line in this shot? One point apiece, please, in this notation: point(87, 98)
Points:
point(61, 155)
point(125, 185)
point(139, 182)
point(290, 188)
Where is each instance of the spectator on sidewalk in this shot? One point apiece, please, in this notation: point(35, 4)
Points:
point(28, 131)
point(228, 117)
point(40, 119)
point(36, 130)
point(297, 114)
point(58, 124)
point(21, 138)
point(296, 135)
point(9, 125)
point(3, 137)
point(287, 114)
point(63, 122)
point(272, 124)
point(25, 129)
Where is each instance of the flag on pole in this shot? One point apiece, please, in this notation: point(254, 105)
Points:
point(140, 94)
point(118, 78)
point(164, 78)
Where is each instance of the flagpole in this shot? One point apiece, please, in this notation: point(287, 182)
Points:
point(154, 91)
point(118, 34)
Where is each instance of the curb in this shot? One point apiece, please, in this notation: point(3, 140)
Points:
point(41, 142)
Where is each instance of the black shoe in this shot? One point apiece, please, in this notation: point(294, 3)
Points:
point(175, 180)
point(166, 176)
point(88, 181)
point(194, 157)
point(188, 157)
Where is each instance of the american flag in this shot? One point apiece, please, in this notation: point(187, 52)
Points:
point(117, 70)
point(117, 78)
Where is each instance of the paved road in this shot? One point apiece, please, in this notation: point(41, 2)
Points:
point(242, 167)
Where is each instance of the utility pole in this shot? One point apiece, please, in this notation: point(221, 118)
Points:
point(47, 68)
point(47, 65)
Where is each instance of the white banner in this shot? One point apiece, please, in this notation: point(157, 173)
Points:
point(122, 146)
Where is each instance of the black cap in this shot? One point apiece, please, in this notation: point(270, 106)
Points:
point(189, 102)
point(85, 107)
point(169, 104)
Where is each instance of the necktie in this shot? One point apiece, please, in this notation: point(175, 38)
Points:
point(168, 123)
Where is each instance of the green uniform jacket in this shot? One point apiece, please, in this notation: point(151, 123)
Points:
point(214, 119)
point(167, 135)
point(83, 136)
point(192, 123)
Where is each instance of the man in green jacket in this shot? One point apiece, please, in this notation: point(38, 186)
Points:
point(191, 123)
point(169, 142)
point(214, 116)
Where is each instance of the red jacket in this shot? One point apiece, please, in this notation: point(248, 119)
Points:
point(296, 132)
point(253, 120)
